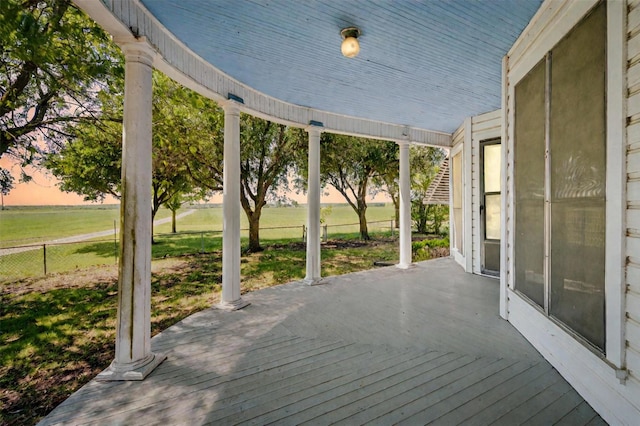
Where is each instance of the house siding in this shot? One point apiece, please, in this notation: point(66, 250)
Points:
point(483, 127)
point(458, 138)
point(632, 324)
point(611, 386)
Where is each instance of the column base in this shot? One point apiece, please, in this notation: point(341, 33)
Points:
point(233, 305)
point(312, 281)
point(405, 265)
point(131, 371)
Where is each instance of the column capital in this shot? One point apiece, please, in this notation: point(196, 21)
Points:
point(314, 127)
point(231, 107)
point(136, 50)
point(313, 130)
point(406, 143)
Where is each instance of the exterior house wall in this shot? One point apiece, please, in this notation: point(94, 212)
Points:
point(458, 148)
point(483, 127)
point(632, 179)
point(610, 382)
point(466, 140)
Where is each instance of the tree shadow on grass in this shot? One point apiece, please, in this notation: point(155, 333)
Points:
point(101, 248)
point(66, 330)
point(53, 342)
point(165, 245)
point(281, 263)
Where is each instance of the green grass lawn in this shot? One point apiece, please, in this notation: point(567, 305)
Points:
point(198, 232)
point(210, 219)
point(29, 225)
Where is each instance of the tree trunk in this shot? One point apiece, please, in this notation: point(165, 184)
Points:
point(153, 216)
point(364, 231)
point(421, 219)
point(173, 221)
point(396, 205)
point(254, 232)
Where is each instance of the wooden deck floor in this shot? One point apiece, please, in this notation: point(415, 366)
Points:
point(385, 346)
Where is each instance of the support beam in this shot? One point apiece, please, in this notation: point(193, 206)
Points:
point(134, 359)
point(313, 206)
point(231, 299)
point(405, 207)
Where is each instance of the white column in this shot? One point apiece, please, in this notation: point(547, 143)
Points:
point(231, 299)
point(405, 207)
point(134, 359)
point(313, 206)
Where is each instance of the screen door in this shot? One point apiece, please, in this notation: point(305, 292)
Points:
point(490, 159)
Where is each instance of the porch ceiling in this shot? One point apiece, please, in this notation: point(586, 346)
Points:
point(424, 64)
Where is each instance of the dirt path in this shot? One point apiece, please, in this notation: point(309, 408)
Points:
point(82, 237)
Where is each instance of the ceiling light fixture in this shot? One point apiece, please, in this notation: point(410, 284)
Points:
point(350, 46)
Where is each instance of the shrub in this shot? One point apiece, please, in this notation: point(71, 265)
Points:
point(430, 248)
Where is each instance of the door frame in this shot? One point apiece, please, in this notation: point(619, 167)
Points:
point(482, 207)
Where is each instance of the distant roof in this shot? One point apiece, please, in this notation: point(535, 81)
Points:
point(438, 191)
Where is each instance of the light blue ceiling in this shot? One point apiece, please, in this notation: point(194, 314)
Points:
point(427, 64)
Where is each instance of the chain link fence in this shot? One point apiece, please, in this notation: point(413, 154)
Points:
point(34, 260)
point(49, 258)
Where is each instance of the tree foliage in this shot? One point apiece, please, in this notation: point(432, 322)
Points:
point(425, 164)
point(351, 165)
point(6, 182)
point(268, 151)
point(388, 182)
point(90, 164)
point(53, 63)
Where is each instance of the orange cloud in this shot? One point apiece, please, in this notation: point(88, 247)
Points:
point(41, 191)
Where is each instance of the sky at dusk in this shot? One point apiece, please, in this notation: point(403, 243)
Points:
point(42, 190)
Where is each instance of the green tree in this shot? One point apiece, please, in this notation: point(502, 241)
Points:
point(53, 63)
point(352, 166)
point(425, 163)
point(387, 181)
point(174, 205)
point(268, 151)
point(90, 164)
point(6, 184)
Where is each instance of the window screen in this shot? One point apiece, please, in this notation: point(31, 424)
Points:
point(572, 80)
point(529, 172)
point(578, 161)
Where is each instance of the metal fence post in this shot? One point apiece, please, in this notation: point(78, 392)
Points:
point(202, 243)
point(391, 227)
point(44, 257)
point(304, 234)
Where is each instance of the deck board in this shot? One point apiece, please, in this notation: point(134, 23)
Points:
point(416, 346)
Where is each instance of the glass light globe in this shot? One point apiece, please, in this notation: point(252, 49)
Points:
point(350, 47)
